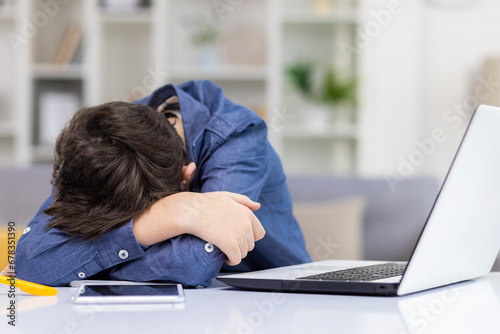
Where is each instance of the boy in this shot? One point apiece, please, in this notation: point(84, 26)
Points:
point(118, 210)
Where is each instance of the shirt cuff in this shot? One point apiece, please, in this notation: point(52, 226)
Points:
point(143, 247)
point(119, 245)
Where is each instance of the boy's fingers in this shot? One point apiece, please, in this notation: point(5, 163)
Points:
point(243, 248)
point(7, 272)
point(258, 230)
point(233, 258)
point(250, 242)
point(243, 200)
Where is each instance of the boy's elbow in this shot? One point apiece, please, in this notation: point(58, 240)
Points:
point(27, 270)
point(200, 277)
point(34, 270)
point(201, 266)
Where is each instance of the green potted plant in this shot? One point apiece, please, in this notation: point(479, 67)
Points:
point(322, 89)
point(337, 91)
point(300, 75)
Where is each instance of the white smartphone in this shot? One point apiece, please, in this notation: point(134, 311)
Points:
point(129, 293)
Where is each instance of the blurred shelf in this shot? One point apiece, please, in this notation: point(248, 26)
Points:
point(7, 129)
point(337, 131)
point(310, 16)
point(139, 15)
point(229, 73)
point(55, 71)
point(111, 68)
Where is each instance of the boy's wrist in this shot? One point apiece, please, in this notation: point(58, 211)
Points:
point(160, 222)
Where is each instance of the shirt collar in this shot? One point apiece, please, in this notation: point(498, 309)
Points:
point(195, 114)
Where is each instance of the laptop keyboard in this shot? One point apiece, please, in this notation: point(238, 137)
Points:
point(367, 273)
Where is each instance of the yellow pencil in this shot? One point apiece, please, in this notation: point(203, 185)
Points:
point(28, 287)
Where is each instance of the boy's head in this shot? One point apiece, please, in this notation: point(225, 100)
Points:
point(112, 162)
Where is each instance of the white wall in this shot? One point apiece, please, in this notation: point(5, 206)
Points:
point(415, 69)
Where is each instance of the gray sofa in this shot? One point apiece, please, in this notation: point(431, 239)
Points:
point(392, 219)
point(22, 191)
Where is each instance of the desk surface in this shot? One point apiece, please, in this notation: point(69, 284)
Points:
point(468, 307)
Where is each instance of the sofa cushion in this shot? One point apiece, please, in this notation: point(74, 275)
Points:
point(332, 229)
point(394, 218)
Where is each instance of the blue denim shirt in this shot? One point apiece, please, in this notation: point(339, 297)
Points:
point(229, 145)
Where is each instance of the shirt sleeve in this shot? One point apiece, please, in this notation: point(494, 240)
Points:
point(244, 162)
point(239, 164)
point(184, 259)
point(50, 257)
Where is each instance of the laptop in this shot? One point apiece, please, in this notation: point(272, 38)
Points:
point(460, 239)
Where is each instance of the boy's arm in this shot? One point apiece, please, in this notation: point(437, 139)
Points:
point(221, 218)
point(50, 257)
point(242, 164)
point(184, 259)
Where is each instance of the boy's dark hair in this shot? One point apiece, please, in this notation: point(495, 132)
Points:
point(111, 162)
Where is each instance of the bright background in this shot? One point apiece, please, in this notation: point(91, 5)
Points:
point(414, 61)
point(420, 67)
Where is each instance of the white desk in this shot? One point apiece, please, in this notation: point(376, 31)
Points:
point(469, 307)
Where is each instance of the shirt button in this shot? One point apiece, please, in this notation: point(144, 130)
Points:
point(81, 274)
point(26, 230)
point(123, 254)
point(209, 248)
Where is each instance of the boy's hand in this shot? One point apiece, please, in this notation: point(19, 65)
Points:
point(7, 271)
point(226, 220)
point(222, 218)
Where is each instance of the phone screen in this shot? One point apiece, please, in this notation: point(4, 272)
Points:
point(129, 293)
point(130, 290)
